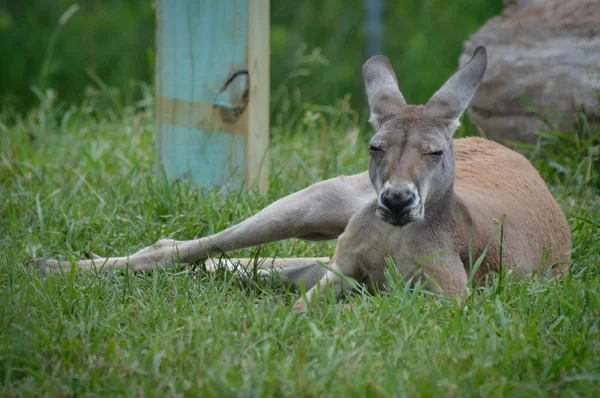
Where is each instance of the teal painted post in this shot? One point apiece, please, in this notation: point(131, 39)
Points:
point(212, 91)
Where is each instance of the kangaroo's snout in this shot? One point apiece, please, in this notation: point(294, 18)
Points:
point(399, 205)
point(398, 201)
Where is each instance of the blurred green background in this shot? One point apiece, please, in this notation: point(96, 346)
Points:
point(317, 47)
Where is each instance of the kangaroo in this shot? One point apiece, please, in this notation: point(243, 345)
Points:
point(427, 201)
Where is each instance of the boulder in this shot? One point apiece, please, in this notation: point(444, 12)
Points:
point(543, 54)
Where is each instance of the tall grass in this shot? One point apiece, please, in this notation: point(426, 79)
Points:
point(75, 179)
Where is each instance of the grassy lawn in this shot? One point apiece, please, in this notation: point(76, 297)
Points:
point(75, 179)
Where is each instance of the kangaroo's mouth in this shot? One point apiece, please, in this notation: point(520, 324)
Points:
point(400, 219)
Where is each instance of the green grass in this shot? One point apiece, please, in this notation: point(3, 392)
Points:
point(72, 179)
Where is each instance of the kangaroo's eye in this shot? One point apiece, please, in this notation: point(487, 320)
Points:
point(436, 153)
point(374, 149)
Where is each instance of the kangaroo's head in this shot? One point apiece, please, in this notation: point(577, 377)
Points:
point(412, 160)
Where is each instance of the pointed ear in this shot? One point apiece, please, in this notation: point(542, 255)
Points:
point(382, 89)
point(451, 100)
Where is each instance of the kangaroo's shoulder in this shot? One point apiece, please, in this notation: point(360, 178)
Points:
point(476, 150)
point(485, 164)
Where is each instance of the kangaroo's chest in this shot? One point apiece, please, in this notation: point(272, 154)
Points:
point(390, 250)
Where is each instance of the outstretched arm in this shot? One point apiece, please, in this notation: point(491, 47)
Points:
point(318, 212)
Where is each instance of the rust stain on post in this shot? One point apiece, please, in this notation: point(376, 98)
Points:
point(198, 115)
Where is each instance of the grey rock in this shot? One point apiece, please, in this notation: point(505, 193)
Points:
point(545, 50)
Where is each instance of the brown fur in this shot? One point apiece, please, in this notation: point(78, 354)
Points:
point(492, 180)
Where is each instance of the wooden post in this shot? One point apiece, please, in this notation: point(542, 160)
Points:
point(212, 91)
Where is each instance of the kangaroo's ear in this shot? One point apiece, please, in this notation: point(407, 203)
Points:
point(382, 89)
point(451, 100)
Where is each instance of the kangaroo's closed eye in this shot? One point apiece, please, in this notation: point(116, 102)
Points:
point(436, 153)
point(373, 149)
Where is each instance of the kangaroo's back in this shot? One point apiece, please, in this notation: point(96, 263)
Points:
point(493, 181)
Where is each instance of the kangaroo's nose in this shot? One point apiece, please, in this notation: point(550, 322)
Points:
point(398, 201)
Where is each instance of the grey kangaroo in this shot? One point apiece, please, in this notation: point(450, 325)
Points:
point(428, 202)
